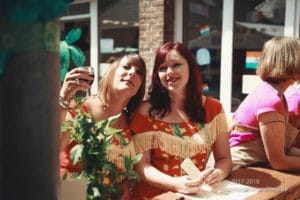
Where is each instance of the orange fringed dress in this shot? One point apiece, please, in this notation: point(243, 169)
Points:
point(171, 143)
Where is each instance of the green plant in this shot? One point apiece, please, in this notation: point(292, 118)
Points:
point(93, 139)
point(68, 50)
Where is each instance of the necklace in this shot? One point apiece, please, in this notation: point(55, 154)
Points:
point(105, 106)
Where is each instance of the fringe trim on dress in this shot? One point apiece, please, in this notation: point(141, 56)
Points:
point(187, 147)
point(115, 154)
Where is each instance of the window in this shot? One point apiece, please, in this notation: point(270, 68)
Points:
point(202, 24)
point(255, 22)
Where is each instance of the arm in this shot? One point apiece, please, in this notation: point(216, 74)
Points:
point(223, 163)
point(154, 177)
point(65, 137)
point(296, 122)
point(298, 140)
point(69, 88)
point(125, 190)
point(273, 137)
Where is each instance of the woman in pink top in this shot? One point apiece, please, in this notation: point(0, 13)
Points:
point(260, 130)
point(292, 95)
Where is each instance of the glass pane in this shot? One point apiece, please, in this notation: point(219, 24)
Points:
point(118, 23)
point(83, 43)
point(118, 29)
point(202, 34)
point(255, 22)
point(77, 8)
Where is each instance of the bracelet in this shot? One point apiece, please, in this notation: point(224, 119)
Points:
point(63, 103)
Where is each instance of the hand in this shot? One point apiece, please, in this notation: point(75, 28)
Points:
point(73, 82)
point(212, 176)
point(186, 185)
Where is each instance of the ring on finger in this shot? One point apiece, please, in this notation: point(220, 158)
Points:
point(77, 81)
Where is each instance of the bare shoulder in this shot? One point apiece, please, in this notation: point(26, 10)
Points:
point(93, 106)
point(144, 108)
point(91, 103)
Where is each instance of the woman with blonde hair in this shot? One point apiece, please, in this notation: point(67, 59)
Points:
point(121, 90)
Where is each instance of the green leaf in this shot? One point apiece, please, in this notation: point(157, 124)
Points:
point(64, 127)
point(102, 124)
point(78, 56)
point(127, 164)
point(78, 101)
point(65, 176)
point(96, 192)
point(73, 35)
point(75, 175)
point(135, 175)
point(76, 153)
point(63, 46)
point(109, 167)
point(114, 118)
point(137, 158)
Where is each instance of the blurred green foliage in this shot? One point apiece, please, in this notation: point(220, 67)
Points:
point(68, 51)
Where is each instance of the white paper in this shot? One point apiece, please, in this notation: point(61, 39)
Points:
point(226, 190)
point(190, 168)
point(194, 173)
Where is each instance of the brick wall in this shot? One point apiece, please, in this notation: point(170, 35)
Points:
point(156, 19)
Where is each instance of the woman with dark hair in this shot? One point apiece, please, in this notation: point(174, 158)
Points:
point(120, 92)
point(178, 123)
point(261, 132)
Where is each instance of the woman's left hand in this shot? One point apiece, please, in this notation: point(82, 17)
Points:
point(214, 178)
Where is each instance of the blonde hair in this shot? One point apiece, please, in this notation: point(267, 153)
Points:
point(280, 59)
point(105, 90)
